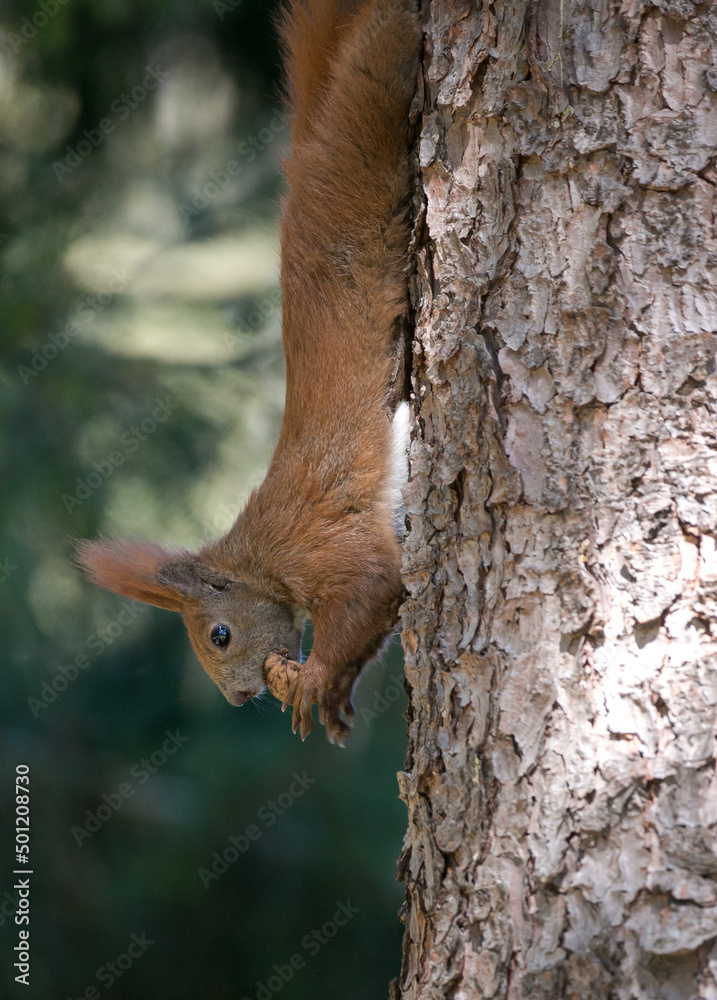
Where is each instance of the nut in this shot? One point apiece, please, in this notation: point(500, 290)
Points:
point(281, 672)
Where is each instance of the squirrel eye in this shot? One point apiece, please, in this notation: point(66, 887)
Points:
point(220, 636)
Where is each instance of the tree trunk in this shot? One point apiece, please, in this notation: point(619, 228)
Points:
point(560, 631)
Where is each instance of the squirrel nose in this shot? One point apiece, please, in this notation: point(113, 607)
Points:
point(240, 697)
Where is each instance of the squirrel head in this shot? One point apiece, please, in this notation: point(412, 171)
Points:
point(232, 626)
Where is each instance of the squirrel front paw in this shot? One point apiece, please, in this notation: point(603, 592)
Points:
point(308, 684)
point(317, 685)
point(336, 709)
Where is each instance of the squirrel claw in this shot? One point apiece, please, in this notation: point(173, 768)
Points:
point(309, 684)
point(335, 708)
point(337, 711)
point(302, 701)
point(337, 730)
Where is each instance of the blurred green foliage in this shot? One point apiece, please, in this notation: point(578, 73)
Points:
point(138, 265)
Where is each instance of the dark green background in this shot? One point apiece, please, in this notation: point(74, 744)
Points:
point(174, 330)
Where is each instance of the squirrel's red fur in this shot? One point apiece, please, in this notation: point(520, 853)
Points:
point(317, 537)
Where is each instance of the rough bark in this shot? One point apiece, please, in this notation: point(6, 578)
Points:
point(561, 627)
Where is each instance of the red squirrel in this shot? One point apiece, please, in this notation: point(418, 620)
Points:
point(318, 538)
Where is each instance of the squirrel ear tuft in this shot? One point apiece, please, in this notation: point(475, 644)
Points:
point(142, 571)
